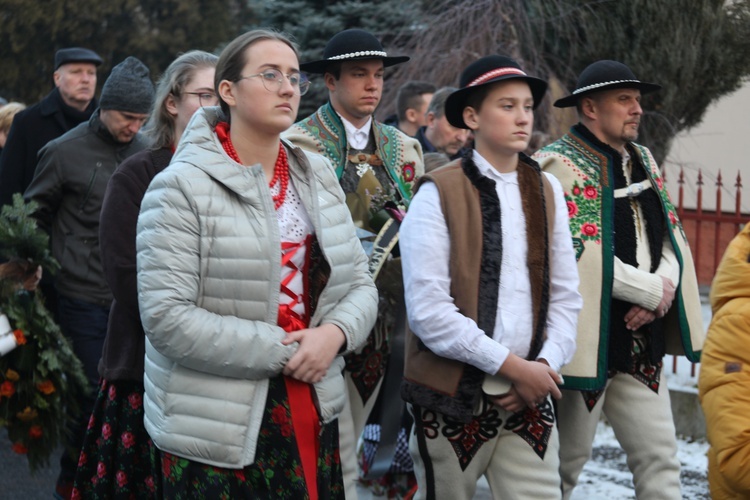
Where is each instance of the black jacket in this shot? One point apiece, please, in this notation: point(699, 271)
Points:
point(124, 347)
point(69, 186)
point(32, 128)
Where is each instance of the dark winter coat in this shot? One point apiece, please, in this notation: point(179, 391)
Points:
point(31, 130)
point(124, 346)
point(69, 186)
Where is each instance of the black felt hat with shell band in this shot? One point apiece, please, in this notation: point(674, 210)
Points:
point(605, 75)
point(351, 45)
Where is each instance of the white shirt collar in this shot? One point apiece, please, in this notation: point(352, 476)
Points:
point(625, 157)
point(486, 169)
point(356, 138)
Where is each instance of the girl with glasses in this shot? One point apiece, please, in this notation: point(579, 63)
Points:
point(115, 461)
point(252, 287)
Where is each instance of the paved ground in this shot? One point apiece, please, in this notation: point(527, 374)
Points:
point(605, 478)
point(17, 483)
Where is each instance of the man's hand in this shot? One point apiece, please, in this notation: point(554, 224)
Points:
point(32, 281)
point(510, 401)
point(667, 296)
point(317, 349)
point(533, 381)
point(637, 316)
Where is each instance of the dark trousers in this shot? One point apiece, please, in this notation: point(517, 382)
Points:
point(85, 325)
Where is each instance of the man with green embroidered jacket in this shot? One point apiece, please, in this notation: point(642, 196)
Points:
point(376, 165)
point(637, 281)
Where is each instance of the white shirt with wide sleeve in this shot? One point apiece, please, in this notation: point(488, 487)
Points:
point(433, 315)
point(638, 285)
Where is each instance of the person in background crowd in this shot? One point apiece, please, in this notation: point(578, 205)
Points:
point(7, 112)
point(70, 103)
point(377, 167)
point(492, 295)
point(434, 160)
point(412, 100)
point(252, 286)
point(438, 135)
point(640, 293)
point(69, 187)
point(724, 381)
point(120, 465)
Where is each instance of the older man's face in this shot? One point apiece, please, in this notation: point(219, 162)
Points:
point(617, 114)
point(77, 83)
point(445, 137)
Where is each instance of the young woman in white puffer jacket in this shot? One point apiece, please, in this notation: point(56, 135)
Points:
point(252, 285)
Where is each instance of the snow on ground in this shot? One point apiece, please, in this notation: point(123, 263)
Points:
point(606, 475)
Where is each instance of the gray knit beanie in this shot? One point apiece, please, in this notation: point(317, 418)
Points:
point(129, 88)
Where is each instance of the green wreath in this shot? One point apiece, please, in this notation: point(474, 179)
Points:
point(41, 380)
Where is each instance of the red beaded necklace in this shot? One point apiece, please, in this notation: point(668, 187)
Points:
point(280, 169)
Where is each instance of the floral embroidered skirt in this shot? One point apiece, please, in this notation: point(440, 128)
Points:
point(277, 470)
point(115, 460)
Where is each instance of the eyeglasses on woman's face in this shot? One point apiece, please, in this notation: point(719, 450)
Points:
point(205, 98)
point(273, 79)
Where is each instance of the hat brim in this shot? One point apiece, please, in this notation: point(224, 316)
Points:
point(320, 66)
point(572, 99)
point(456, 102)
point(95, 62)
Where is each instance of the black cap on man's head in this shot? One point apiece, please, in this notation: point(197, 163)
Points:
point(76, 54)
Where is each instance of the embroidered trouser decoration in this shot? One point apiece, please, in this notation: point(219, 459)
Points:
point(534, 426)
point(644, 371)
point(466, 439)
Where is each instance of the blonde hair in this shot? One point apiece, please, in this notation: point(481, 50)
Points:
point(161, 125)
point(7, 113)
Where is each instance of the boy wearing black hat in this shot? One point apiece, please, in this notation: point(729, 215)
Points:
point(377, 166)
point(491, 293)
point(69, 186)
point(640, 294)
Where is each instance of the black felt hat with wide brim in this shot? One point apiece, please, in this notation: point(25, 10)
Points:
point(484, 71)
point(351, 45)
point(605, 75)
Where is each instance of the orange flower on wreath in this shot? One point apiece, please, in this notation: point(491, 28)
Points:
point(7, 389)
point(45, 387)
point(27, 415)
point(20, 448)
point(12, 375)
point(20, 337)
point(35, 432)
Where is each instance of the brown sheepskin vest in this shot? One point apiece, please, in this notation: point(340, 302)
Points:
point(472, 212)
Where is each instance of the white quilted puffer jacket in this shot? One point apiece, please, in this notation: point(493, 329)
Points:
point(209, 276)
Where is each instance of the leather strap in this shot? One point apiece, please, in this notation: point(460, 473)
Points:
point(391, 408)
point(383, 245)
